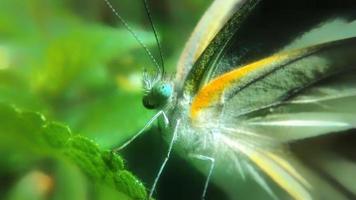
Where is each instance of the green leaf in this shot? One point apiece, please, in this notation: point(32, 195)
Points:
point(39, 152)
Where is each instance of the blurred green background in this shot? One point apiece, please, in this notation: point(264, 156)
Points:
point(73, 62)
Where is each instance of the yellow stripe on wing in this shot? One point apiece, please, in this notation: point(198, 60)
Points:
point(284, 175)
point(274, 166)
point(289, 168)
point(211, 93)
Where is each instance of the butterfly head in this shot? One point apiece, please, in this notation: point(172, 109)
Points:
point(157, 90)
point(157, 93)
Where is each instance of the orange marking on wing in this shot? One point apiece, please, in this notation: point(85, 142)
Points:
point(212, 92)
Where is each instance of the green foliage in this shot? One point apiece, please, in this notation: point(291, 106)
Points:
point(70, 69)
point(72, 61)
point(54, 144)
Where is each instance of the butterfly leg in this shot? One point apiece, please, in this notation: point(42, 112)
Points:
point(212, 165)
point(174, 137)
point(166, 122)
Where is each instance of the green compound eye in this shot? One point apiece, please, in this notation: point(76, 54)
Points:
point(164, 90)
point(148, 103)
point(158, 96)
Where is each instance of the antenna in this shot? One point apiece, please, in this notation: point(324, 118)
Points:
point(128, 28)
point(156, 35)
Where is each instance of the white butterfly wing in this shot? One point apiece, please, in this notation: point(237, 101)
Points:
point(310, 95)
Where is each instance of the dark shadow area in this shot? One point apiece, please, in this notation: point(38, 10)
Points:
point(179, 180)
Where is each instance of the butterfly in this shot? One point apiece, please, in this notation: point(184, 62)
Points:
point(267, 90)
